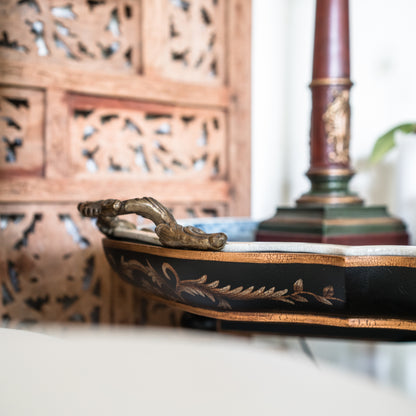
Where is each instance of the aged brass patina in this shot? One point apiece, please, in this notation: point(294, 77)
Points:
point(170, 233)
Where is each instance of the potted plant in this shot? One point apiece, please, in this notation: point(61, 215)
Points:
point(388, 140)
point(403, 138)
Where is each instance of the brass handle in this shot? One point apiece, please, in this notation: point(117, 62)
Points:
point(170, 233)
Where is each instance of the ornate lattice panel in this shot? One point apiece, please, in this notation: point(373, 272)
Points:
point(21, 130)
point(149, 141)
point(112, 98)
point(90, 34)
point(190, 43)
point(51, 266)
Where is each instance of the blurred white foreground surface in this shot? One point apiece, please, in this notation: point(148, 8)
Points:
point(148, 372)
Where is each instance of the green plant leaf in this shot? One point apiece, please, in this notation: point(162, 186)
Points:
point(387, 142)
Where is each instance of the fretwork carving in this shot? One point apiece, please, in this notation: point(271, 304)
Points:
point(51, 266)
point(190, 46)
point(21, 127)
point(100, 35)
point(111, 137)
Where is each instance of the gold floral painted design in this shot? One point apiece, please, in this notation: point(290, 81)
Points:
point(161, 284)
point(337, 127)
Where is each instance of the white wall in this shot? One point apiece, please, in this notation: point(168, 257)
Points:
point(383, 68)
point(270, 41)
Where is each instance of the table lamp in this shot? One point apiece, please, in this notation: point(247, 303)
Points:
point(329, 212)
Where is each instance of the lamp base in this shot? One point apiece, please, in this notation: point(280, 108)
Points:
point(343, 224)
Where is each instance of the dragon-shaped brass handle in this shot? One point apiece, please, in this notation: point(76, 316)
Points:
point(170, 233)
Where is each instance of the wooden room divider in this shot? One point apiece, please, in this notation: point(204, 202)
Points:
point(113, 98)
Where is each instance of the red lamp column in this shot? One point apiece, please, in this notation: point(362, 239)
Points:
point(330, 169)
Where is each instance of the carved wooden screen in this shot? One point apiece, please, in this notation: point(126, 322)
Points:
point(112, 98)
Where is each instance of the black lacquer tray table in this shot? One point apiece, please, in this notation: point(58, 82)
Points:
point(289, 288)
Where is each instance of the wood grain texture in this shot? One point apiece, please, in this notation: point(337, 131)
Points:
point(57, 143)
point(22, 146)
point(239, 75)
point(76, 190)
point(111, 85)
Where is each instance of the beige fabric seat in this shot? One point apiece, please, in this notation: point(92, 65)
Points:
point(148, 372)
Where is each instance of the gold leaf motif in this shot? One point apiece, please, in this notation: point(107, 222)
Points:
point(202, 279)
point(298, 285)
point(279, 293)
point(247, 291)
point(328, 291)
point(224, 289)
point(323, 300)
point(216, 294)
point(223, 304)
point(299, 298)
point(337, 127)
point(236, 290)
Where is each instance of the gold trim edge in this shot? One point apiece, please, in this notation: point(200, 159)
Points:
point(264, 257)
point(332, 172)
point(293, 318)
point(322, 82)
point(314, 199)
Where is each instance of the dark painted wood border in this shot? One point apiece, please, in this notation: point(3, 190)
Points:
point(295, 318)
